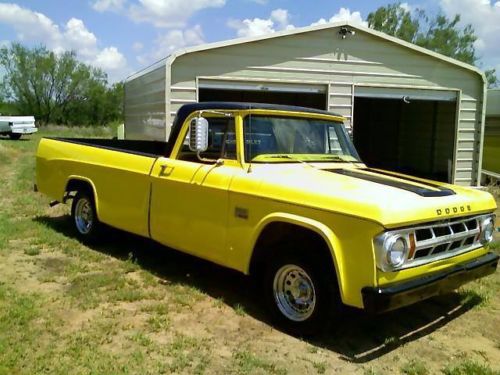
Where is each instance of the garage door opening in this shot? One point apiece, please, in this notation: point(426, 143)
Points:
point(311, 96)
point(411, 136)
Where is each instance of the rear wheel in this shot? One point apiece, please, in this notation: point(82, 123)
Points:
point(300, 293)
point(15, 136)
point(84, 217)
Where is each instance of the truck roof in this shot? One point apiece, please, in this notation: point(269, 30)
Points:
point(187, 109)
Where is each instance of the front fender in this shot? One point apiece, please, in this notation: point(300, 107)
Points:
point(316, 226)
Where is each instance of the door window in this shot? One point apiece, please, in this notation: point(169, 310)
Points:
point(221, 141)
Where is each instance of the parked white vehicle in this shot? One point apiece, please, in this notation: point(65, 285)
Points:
point(16, 126)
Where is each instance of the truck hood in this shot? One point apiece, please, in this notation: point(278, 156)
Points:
point(385, 197)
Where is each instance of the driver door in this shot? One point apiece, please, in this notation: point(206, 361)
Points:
point(190, 198)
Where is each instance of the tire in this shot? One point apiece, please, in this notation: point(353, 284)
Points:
point(84, 216)
point(15, 136)
point(301, 293)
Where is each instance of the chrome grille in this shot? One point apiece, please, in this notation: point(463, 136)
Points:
point(443, 239)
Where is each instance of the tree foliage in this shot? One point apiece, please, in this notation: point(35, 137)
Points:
point(57, 88)
point(439, 33)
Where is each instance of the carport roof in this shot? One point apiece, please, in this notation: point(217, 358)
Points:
point(171, 58)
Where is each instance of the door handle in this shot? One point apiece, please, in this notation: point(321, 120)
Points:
point(165, 170)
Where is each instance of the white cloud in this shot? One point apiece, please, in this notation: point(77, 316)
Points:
point(260, 2)
point(169, 13)
point(29, 25)
point(406, 7)
point(278, 20)
point(108, 5)
point(173, 40)
point(137, 46)
point(36, 27)
point(344, 14)
point(253, 27)
point(281, 17)
point(484, 16)
point(110, 59)
point(77, 37)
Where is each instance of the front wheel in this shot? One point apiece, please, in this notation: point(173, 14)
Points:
point(300, 294)
point(84, 217)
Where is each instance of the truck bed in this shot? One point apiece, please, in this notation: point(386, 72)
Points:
point(139, 147)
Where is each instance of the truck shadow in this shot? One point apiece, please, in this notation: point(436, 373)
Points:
point(356, 336)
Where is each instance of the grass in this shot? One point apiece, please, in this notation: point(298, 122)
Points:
point(469, 367)
point(495, 246)
point(188, 353)
point(239, 309)
point(320, 367)
point(129, 306)
point(32, 251)
point(415, 367)
point(246, 362)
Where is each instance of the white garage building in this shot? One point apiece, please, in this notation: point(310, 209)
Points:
point(410, 109)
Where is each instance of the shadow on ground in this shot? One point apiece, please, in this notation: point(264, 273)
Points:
point(358, 337)
point(7, 138)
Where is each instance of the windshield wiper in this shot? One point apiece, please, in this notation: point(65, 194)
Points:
point(336, 158)
point(286, 156)
point(321, 158)
point(314, 158)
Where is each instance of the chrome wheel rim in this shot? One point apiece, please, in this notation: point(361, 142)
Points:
point(84, 215)
point(294, 292)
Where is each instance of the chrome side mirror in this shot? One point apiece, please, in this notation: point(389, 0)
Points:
point(198, 135)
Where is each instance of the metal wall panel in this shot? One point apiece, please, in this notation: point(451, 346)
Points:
point(144, 105)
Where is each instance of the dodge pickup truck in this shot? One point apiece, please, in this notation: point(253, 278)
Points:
point(279, 193)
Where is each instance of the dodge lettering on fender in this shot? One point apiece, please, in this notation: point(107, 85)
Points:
point(279, 193)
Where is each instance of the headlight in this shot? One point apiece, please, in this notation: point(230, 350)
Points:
point(487, 230)
point(392, 251)
point(396, 251)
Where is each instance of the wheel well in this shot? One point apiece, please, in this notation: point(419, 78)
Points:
point(76, 185)
point(278, 233)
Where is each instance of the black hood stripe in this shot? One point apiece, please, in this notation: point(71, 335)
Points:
point(380, 179)
point(406, 178)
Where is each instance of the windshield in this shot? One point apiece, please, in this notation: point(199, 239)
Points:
point(288, 139)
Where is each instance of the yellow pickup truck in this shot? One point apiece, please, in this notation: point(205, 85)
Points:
point(279, 193)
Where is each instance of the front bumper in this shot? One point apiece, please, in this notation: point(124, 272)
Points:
point(403, 294)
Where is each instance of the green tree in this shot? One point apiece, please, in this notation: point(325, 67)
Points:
point(100, 105)
point(396, 21)
point(57, 88)
point(438, 33)
point(492, 78)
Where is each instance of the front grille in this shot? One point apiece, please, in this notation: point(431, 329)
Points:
point(445, 238)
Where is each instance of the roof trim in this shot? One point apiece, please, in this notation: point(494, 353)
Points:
point(170, 59)
point(156, 65)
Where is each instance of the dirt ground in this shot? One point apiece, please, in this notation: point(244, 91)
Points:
point(132, 306)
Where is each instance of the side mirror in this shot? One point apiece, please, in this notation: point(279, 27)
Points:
point(198, 134)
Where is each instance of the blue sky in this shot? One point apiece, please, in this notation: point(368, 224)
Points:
point(122, 36)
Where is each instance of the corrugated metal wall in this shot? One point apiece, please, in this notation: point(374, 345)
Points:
point(323, 57)
point(145, 105)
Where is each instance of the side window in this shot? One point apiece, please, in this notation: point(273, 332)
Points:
point(221, 141)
